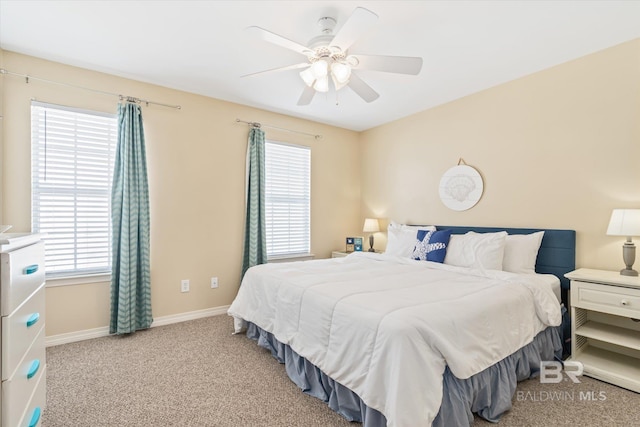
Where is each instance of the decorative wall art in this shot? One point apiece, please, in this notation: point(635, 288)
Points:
point(461, 187)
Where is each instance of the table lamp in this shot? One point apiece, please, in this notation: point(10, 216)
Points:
point(626, 222)
point(371, 226)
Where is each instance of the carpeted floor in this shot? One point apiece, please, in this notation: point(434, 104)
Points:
point(197, 374)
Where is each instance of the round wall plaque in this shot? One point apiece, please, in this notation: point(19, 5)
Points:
point(461, 188)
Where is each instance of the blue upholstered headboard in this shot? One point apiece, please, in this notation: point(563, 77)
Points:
point(557, 254)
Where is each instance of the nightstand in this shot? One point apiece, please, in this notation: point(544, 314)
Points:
point(605, 327)
point(339, 254)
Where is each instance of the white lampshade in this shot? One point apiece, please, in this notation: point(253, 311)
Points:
point(320, 68)
point(624, 222)
point(308, 77)
point(322, 84)
point(371, 225)
point(341, 72)
point(337, 84)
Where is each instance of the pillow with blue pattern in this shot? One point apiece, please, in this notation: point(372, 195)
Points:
point(431, 245)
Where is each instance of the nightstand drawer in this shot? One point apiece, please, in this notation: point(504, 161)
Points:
point(608, 299)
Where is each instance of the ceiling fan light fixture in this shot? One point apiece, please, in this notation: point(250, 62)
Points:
point(308, 77)
point(320, 69)
point(341, 72)
point(338, 85)
point(322, 84)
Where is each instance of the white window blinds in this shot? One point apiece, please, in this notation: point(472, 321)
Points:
point(72, 165)
point(287, 199)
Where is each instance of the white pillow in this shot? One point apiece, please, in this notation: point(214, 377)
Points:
point(476, 250)
point(521, 251)
point(401, 238)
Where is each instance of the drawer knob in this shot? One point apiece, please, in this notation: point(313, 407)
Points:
point(33, 369)
point(30, 269)
point(35, 417)
point(624, 302)
point(33, 319)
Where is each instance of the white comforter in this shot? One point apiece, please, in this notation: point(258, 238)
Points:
point(386, 327)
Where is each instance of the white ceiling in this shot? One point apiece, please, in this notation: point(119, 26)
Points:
point(201, 46)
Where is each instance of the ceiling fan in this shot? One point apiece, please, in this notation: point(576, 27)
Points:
point(328, 57)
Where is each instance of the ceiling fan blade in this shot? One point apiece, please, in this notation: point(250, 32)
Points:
point(365, 91)
point(358, 23)
point(276, 39)
point(307, 96)
point(288, 67)
point(389, 64)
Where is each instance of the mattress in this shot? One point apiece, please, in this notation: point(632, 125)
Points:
point(387, 328)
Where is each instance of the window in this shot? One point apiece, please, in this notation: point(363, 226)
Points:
point(287, 199)
point(72, 154)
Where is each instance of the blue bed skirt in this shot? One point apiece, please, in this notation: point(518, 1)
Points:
point(488, 393)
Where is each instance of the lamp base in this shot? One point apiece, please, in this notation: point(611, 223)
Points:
point(629, 256)
point(628, 272)
point(371, 243)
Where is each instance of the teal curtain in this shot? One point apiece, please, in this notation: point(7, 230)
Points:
point(130, 276)
point(255, 235)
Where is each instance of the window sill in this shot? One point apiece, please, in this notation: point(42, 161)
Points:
point(77, 280)
point(288, 258)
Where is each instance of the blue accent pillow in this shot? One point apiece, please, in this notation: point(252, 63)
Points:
point(431, 245)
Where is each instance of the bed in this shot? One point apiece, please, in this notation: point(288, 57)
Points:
point(388, 340)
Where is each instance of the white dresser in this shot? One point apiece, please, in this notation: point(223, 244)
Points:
point(22, 303)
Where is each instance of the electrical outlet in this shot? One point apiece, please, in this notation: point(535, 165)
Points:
point(184, 285)
point(214, 282)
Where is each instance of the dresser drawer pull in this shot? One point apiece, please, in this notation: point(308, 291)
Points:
point(33, 369)
point(35, 417)
point(33, 319)
point(624, 302)
point(30, 269)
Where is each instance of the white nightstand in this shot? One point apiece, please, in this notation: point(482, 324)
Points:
point(605, 326)
point(339, 254)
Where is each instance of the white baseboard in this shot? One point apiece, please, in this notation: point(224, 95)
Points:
point(88, 334)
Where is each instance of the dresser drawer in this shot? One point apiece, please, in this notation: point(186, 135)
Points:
point(17, 390)
point(32, 416)
point(606, 298)
point(20, 329)
point(21, 272)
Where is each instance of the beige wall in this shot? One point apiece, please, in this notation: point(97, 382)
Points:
point(196, 161)
point(557, 149)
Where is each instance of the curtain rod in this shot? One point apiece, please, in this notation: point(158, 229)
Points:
point(122, 97)
point(259, 125)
